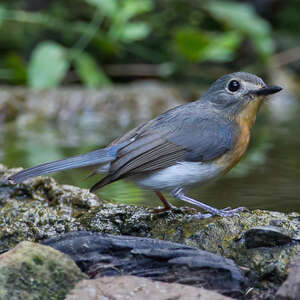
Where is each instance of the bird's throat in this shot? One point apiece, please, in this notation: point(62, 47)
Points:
point(245, 121)
point(247, 116)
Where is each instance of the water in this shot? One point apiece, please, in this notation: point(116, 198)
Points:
point(268, 177)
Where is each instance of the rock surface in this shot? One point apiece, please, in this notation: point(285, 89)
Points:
point(136, 288)
point(223, 236)
point(33, 271)
point(110, 255)
point(40, 208)
point(266, 236)
point(290, 290)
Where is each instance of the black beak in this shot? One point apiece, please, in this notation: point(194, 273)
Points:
point(265, 91)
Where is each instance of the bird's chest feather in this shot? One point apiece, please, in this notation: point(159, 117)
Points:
point(234, 156)
point(245, 121)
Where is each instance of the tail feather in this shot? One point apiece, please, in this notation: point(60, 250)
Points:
point(96, 157)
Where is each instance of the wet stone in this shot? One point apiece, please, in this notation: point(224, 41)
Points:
point(109, 255)
point(41, 208)
point(266, 236)
point(136, 288)
point(290, 289)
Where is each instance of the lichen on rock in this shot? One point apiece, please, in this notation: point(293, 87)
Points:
point(40, 208)
point(33, 271)
point(223, 236)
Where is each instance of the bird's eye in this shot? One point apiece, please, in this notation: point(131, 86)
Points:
point(233, 86)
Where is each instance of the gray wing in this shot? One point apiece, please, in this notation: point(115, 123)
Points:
point(172, 137)
point(205, 139)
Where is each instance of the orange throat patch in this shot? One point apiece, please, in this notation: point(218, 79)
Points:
point(245, 121)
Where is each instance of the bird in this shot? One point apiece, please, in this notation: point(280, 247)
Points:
point(190, 144)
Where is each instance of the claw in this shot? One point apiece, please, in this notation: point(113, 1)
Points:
point(226, 209)
point(200, 216)
point(227, 212)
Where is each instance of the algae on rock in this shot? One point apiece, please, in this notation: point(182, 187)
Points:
point(223, 236)
point(40, 208)
point(33, 271)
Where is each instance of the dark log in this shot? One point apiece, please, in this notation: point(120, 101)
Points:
point(110, 255)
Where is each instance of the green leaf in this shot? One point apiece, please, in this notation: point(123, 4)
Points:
point(222, 47)
point(131, 8)
point(121, 27)
point(191, 43)
point(120, 9)
point(89, 72)
point(108, 7)
point(197, 46)
point(134, 31)
point(264, 46)
point(48, 65)
point(14, 62)
point(242, 17)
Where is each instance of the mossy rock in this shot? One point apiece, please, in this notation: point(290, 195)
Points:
point(40, 208)
point(32, 271)
point(223, 236)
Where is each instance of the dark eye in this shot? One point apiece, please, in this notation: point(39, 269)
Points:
point(233, 85)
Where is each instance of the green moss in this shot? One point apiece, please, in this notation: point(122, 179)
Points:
point(41, 208)
point(38, 209)
point(34, 271)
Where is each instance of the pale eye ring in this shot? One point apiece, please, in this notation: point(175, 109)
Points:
point(233, 86)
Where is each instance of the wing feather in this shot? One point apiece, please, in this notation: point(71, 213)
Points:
point(177, 135)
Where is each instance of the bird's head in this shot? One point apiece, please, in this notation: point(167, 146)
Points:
point(239, 95)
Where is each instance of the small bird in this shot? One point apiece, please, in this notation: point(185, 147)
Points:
point(194, 143)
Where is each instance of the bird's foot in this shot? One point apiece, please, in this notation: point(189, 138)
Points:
point(174, 209)
point(229, 212)
point(212, 211)
point(226, 208)
point(225, 212)
point(200, 216)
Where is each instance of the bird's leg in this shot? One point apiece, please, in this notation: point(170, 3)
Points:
point(167, 205)
point(227, 212)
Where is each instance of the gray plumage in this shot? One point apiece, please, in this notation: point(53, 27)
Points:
point(198, 131)
point(96, 157)
point(179, 147)
point(180, 134)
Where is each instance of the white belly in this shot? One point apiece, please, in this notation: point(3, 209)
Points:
point(180, 175)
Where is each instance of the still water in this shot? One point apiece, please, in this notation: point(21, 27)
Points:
point(267, 178)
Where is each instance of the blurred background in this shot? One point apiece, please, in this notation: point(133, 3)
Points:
point(76, 74)
point(45, 43)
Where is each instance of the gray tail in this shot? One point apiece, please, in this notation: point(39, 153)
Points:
point(96, 157)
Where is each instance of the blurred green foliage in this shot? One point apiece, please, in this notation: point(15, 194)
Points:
point(196, 45)
point(72, 41)
point(242, 18)
point(48, 65)
point(50, 61)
